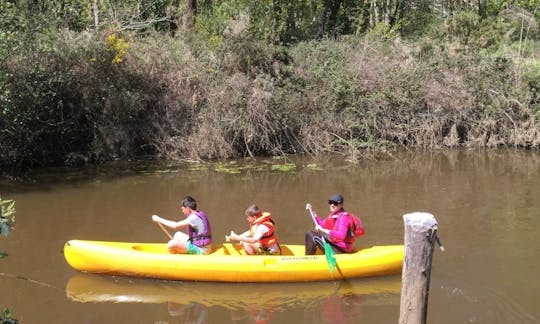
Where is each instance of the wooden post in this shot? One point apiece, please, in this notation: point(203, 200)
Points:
point(420, 236)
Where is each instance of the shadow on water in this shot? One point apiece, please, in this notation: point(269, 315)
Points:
point(51, 178)
point(398, 163)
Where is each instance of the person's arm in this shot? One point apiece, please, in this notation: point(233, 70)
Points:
point(247, 237)
point(322, 230)
point(340, 230)
point(324, 225)
point(244, 237)
point(174, 225)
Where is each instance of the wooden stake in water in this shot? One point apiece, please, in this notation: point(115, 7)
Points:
point(420, 237)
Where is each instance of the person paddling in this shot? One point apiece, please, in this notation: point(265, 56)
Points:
point(260, 238)
point(340, 229)
point(199, 237)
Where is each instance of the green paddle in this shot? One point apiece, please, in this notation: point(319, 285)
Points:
point(328, 252)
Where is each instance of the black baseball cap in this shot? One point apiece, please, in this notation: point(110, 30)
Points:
point(336, 198)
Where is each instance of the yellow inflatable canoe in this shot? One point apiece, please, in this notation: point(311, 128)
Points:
point(228, 263)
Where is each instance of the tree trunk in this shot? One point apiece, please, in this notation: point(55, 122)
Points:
point(482, 9)
point(174, 23)
point(333, 15)
point(387, 12)
point(398, 12)
point(374, 15)
point(95, 12)
point(324, 19)
point(188, 20)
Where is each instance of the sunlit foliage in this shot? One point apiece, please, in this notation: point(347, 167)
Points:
point(7, 317)
point(118, 46)
point(7, 221)
point(91, 81)
point(7, 216)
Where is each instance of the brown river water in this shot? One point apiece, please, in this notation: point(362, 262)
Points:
point(487, 205)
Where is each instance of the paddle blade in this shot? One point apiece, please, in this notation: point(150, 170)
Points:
point(330, 257)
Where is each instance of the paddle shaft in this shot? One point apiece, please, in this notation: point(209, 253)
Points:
point(313, 216)
point(165, 231)
point(315, 221)
point(328, 251)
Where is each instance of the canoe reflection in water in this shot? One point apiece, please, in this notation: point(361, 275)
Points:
point(247, 302)
point(333, 309)
point(252, 315)
point(337, 309)
point(193, 312)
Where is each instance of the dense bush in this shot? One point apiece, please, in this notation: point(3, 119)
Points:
point(70, 97)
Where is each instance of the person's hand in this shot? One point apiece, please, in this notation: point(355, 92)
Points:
point(233, 236)
point(308, 206)
point(230, 237)
point(318, 228)
point(155, 218)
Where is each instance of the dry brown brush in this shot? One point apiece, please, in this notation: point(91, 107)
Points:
point(95, 97)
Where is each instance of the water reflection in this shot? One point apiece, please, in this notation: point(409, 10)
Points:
point(193, 302)
point(193, 312)
point(259, 315)
point(337, 309)
point(84, 287)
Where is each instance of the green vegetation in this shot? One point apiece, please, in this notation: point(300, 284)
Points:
point(6, 317)
point(287, 167)
point(7, 221)
point(7, 216)
point(85, 82)
point(314, 167)
point(228, 169)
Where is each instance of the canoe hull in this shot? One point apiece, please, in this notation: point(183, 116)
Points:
point(227, 263)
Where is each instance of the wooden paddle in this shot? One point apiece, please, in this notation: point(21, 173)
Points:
point(165, 231)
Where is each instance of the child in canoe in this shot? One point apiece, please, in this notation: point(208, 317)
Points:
point(260, 238)
point(199, 237)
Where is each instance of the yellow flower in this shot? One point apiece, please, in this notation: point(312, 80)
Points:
point(118, 45)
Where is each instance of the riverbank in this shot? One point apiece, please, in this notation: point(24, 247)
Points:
point(113, 95)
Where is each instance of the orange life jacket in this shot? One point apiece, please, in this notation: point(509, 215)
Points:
point(269, 238)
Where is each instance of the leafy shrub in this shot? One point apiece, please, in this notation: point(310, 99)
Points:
point(7, 317)
point(7, 216)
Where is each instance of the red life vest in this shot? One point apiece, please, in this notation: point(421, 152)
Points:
point(355, 228)
point(269, 238)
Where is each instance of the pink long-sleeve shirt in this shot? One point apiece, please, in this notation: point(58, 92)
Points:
point(338, 223)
